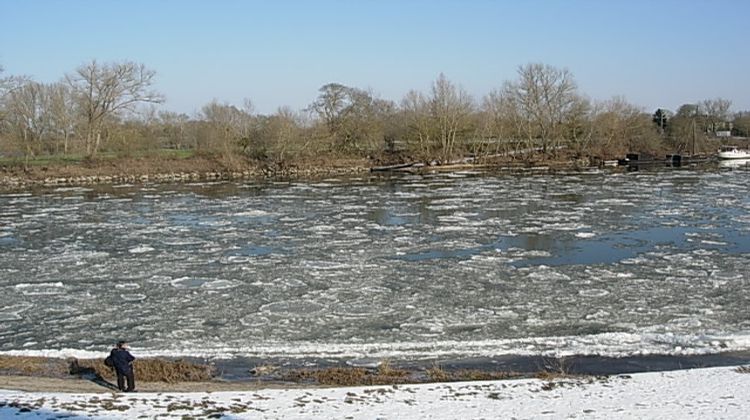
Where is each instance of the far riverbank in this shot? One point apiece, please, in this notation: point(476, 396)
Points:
point(197, 168)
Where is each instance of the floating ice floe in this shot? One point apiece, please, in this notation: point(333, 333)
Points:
point(40, 289)
point(133, 297)
point(13, 312)
point(141, 249)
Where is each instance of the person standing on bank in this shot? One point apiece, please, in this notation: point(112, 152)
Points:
point(122, 361)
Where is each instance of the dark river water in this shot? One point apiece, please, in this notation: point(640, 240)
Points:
point(412, 267)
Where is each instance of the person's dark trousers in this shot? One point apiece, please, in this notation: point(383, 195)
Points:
point(121, 377)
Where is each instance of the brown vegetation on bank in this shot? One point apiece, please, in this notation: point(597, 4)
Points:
point(353, 376)
point(33, 366)
point(147, 370)
point(116, 170)
point(154, 370)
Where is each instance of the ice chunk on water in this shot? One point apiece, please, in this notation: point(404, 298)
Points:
point(141, 249)
point(40, 289)
point(13, 312)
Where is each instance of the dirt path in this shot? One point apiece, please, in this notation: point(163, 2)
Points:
point(76, 385)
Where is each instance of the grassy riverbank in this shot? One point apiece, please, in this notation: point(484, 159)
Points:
point(164, 166)
point(179, 374)
point(171, 165)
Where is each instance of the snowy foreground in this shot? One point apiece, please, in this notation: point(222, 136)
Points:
point(700, 393)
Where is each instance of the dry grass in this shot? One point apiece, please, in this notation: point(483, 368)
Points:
point(438, 374)
point(33, 366)
point(386, 369)
point(555, 368)
point(330, 376)
point(481, 375)
point(177, 371)
point(149, 370)
point(346, 376)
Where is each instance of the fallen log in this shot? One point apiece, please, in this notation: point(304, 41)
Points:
point(398, 167)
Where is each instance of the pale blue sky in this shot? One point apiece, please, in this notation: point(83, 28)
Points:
point(655, 53)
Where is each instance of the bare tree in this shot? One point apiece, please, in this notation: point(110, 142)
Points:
point(741, 123)
point(435, 124)
point(502, 125)
point(544, 96)
point(280, 140)
point(28, 114)
point(232, 129)
point(451, 108)
point(416, 114)
point(686, 128)
point(174, 129)
point(621, 127)
point(716, 112)
point(354, 118)
point(106, 90)
point(8, 84)
point(333, 105)
point(63, 113)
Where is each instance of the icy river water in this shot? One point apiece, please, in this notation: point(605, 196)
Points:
point(412, 267)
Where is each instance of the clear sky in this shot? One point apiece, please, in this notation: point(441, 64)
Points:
point(655, 53)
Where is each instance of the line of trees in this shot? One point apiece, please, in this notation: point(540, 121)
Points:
point(111, 107)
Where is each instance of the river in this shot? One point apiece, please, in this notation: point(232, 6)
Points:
point(410, 267)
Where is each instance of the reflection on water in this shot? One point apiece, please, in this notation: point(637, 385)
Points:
point(734, 163)
point(414, 266)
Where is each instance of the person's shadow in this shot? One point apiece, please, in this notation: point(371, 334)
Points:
point(89, 373)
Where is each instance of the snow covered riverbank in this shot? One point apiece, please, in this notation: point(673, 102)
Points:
point(698, 393)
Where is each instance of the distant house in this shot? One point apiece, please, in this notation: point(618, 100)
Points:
point(724, 133)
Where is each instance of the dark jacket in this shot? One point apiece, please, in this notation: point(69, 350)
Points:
point(122, 360)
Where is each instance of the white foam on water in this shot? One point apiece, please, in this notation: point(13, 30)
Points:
point(182, 241)
point(325, 265)
point(236, 259)
point(444, 207)
point(415, 185)
point(72, 189)
point(442, 229)
point(58, 353)
point(252, 213)
point(716, 243)
point(616, 201)
point(127, 286)
point(254, 320)
point(593, 292)
point(544, 273)
point(214, 223)
point(189, 282)
point(299, 307)
point(16, 195)
point(159, 279)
